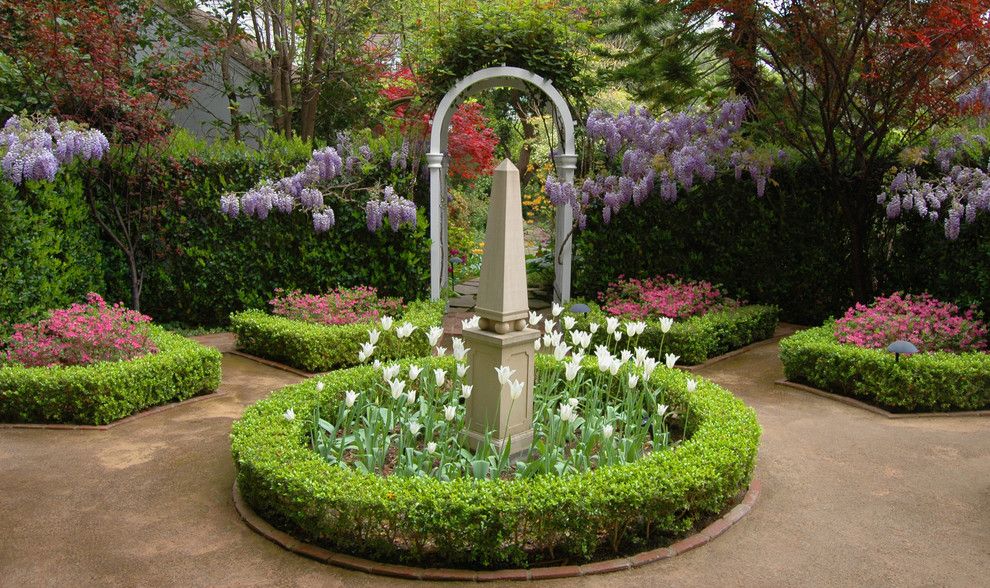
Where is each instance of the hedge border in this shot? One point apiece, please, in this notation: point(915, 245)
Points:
point(876, 409)
point(322, 348)
point(315, 552)
point(294, 489)
point(699, 338)
point(928, 382)
point(103, 393)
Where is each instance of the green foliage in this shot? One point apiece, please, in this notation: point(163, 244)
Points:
point(207, 265)
point(49, 250)
point(919, 383)
point(698, 338)
point(490, 523)
point(105, 392)
point(318, 348)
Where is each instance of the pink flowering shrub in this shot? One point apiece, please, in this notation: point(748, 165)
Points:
point(337, 307)
point(81, 335)
point(663, 296)
point(928, 323)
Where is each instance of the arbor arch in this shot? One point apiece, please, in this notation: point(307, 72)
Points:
point(438, 160)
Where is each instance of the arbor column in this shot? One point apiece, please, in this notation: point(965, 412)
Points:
point(563, 232)
point(438, 225)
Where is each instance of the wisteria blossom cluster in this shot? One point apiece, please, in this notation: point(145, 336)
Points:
point(34, 148)
point(340, 306)
point(976, 99)
point(928, 323)
point(328, 169)
point(646, 154)
point(81, 335)
point(662, 296)
point(399, 211)
point(412, 422)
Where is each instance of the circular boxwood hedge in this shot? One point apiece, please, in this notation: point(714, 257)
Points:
point(318, 348)
point(104, 392)
point(491, 523)
point(919, 383)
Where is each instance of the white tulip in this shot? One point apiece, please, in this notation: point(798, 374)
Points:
point(397, 387)
point(611, 324)
point(449, 412)
point(556, 309)
point(616, 364)
point(560, 352)
point(431, 447)
point(626, 355)
point(377, 364)
point(404, 330)
point(390, 372)
point(573, 402)
point(441, 351)
point(466, 391)
point(671, 360)
point(433, 335)
point(649, 365)
point(537, 344)
point(534, 318)
point(411, 397)
point(440, 376)
point(607, 432)
point(662, 409)
point(504, 373)
point(641, 355)
point(460, 351)
point(630, 329)
point(640, 327)
point(415, 428)
point(462, 369)
point(665, 324)
point(571, 370)
point(555, 338)
point(568, 322)
point(349, 397)
point(692, 385)
point(567, 413)
point(471, 323)
point(414, 371)
point(633, 380)
point(548, 325)
point(618, 336)
point(387, 322)
point(290, 415)
point(593, 328)
point(373, 335)
point(320, 386)
point(577, 356)
point(604, 362)
point(515, 389)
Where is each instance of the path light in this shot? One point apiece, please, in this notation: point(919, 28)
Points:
point(901, 346)
point(580, 308)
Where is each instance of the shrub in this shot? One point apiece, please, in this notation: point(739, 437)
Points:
point(107, 391)
point(699, 338)
point(316, 347)
point(490, 523)
point(930, 324)
point(924, 382)
point(668, 296)
point(80, 335)
point(337, 307)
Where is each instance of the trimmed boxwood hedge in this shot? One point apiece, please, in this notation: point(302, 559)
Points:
point(699, 338)
point(920, 383)
point(320, 348)
point(108, 391)
point(490, 523)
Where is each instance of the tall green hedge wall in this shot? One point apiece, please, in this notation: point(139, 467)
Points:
point(49, 251)
point(788, 248)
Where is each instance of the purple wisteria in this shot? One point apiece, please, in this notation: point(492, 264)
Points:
point(399, 211)
point(957, 197)
point(646, 155)
point(34, 148)
point(329, 168)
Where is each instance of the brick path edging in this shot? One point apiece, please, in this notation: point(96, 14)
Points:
point(876, 409)
point(283, 539)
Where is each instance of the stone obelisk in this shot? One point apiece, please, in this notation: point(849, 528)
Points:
point(502, 338)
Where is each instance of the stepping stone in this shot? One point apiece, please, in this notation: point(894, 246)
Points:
point(466, 288)
point(461, 302)
point(538, 304)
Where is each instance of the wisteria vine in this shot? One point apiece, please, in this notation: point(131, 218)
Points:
point(646, 154)
point(328, 169)
point(36, 147)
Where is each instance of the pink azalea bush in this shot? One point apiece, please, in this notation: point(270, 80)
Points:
point(337, 307)
point(662, 296)
point(82, 334)
point(928, 323)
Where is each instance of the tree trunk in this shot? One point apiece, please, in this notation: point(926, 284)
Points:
point(742, 62)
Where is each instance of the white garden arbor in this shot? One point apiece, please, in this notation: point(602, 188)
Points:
point(437, 160)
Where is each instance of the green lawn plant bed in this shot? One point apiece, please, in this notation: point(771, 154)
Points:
point(491, 522)
point(926, 382)
point(319, 348)
point(107, 391)
point(696, 339)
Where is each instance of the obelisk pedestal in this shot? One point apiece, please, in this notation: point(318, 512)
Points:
point(502, 338)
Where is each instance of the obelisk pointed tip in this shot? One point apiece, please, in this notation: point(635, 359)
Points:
point(506, 165)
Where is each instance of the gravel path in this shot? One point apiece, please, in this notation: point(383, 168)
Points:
point(849, 499)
